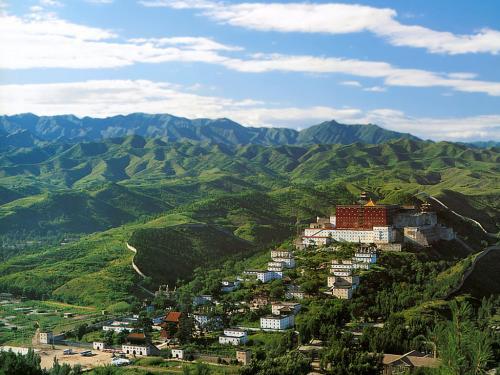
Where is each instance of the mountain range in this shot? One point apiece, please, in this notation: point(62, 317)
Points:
point(26, 130)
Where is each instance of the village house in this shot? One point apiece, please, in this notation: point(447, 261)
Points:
point(275, 266)
point(229, 286)
point(170, 324)
point(98, 345)
point(342, 291)
point(294, 292)
point(351, 280)
point(118, 327)
point(259, 301)
point(283, 256)
point(365, 256)
point(202, 300)
point(244, 356)
point(266, 276)
point(178, 353)
point(46, 337)
point(279, 308)
point(407, 363)
point(205, 321)
point(277, 322)
point(233, 336)
point(137, 344)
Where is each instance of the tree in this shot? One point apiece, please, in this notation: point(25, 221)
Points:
point(463, 348)
point(185, 331)
point(345, 356)
point(82, 330)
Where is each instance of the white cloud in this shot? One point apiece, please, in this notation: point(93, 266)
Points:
point(51, 3)
point(99, 1)
point(45, 41)
point(351, 83)
point(336, 18)
point(101, 98)
point(375, 89)
point(49, 42)
point(482, 127)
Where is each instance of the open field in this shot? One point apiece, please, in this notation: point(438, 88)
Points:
point(19, 318)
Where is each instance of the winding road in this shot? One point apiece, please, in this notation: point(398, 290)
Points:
point(138, 271)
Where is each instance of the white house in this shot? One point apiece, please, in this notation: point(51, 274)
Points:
point(314, 236)
point(281, 254)
point(118, 327)
point(266, 275)
point(178, 353)
point(139, 350)
point(287, 262)
point(365, 257)
point(233, 336)
point(98, 345)
point(202, 320)
point(46, 338)
point(275, 266)
point(277, 322)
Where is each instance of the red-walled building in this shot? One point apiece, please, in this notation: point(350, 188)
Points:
point(366, 216)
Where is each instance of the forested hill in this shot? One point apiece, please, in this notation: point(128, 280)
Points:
point(27, 129)
point(123, 179)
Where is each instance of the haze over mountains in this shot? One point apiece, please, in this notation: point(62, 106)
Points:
point(25, 130)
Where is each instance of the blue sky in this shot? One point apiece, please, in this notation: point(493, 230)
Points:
point(425, 67)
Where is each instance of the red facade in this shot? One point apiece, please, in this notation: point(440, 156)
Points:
point(364, 217)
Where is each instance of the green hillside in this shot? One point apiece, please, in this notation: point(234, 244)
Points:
point(203, 202)
point(172, 253)
point(484, 280)
point(151, 176)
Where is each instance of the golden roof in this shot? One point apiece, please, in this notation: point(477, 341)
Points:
point(370, 203)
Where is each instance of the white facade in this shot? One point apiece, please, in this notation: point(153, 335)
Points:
point(233, 336)
point(201, 320)
point(275, 322)
point(287, 262)
point(46, 338)
point(281, 254)
point(140, 350)
point(275, 266)
point(117, 328)
point(342, 292)
point(98, 345)
point(266, 276)
point(316, 240)
point(365, 257)
point(325, 236)
point(178, 353)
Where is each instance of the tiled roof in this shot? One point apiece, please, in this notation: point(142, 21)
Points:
point(173, 316)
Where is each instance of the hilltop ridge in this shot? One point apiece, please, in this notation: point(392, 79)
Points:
point(30, 129)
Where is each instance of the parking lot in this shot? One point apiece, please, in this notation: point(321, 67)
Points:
point(97, 359)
